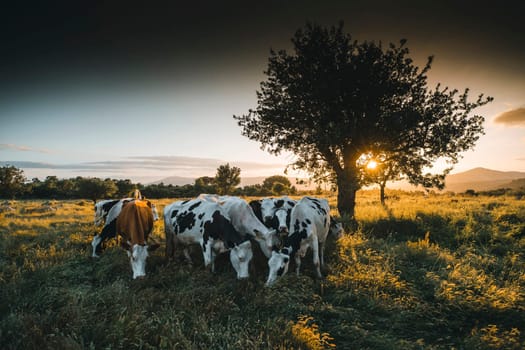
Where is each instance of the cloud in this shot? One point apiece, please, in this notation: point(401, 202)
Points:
point(21, 148)
point(154, 166)
point(514, 117)
point(178, 162)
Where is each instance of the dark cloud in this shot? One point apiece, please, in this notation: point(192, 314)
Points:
point(515, 117)
point(52, 38)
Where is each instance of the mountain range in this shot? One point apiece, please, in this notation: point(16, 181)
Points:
point(477, 179)
point(482, 179)
point(245, 181)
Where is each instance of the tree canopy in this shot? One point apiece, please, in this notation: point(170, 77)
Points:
point(227, 178)
point(334, 100)
point(11, 181)
point(94, 188)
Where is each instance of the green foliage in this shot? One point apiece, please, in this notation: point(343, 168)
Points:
point(427, 272)
point(227, 178)
point(11, 181)
point(205, 184)
point(277, 185)
point(95, 189)
point(334, 100)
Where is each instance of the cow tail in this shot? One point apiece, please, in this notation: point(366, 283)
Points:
point(170, 243)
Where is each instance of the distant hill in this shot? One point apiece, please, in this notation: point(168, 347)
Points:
point(175, 181)
point(245, 181)
point(477, 179)
point(481, 179)
point(516, 184)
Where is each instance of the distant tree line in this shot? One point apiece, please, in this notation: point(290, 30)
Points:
point(13, 184)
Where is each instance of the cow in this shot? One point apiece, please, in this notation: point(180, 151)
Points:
point(310, 224)
point(245, 221)
point(109, 229)
point(203, 222)
point(102, 209)
point(134, 224)
point(277, 211)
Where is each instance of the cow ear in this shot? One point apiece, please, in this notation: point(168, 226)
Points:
point(153, 247)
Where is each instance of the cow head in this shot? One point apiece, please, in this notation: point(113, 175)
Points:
point(137, 257)
point(282, 214)
point(336, 228)
point(278, 265)
point(240, 257)
point(267, 210)
point(154, 212)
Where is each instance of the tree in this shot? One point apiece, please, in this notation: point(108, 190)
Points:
point(227, 178)
point(205, 184)
point(379, 169)
point(335, 99)
point(12, 181)
point(277, 184)
point(124, 187)
point(95, 188)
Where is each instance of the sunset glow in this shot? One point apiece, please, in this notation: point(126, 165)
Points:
point(167, 89)
point(371, 165)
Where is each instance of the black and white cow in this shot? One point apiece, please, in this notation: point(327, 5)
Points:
point(310, 224)
point(206, 223)
point(245, 221)
point(110, 225)
point(102, 209)
point(277, 211)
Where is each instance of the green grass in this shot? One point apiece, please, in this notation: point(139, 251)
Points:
point(424, 272)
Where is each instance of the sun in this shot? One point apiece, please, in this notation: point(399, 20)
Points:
point(371, 165)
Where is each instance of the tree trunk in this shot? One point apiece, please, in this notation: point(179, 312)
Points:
point(382, 192)
point(347, 186)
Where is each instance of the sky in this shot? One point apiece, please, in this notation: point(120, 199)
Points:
point(148, 90)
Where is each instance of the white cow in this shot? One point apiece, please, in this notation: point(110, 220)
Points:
point(245, 222)
point(206, 223)
point(310, 224)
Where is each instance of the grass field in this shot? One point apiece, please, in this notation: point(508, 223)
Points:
point(425, 272)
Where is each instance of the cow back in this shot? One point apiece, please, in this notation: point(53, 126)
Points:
point(135, 221)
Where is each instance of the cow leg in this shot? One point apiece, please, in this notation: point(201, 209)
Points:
point(297, 263)
point(321, 253)
point(315, 253)
point(213, 255)
point(170, 244)
point(95, 243)
point(108, 231)
point(207, 252)
point(187, 255)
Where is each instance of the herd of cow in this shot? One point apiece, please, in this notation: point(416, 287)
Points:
point(282, 227)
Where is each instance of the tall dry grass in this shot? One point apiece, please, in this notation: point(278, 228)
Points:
point(423, 272)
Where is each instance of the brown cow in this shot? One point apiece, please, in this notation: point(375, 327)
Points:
point(134, 224)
